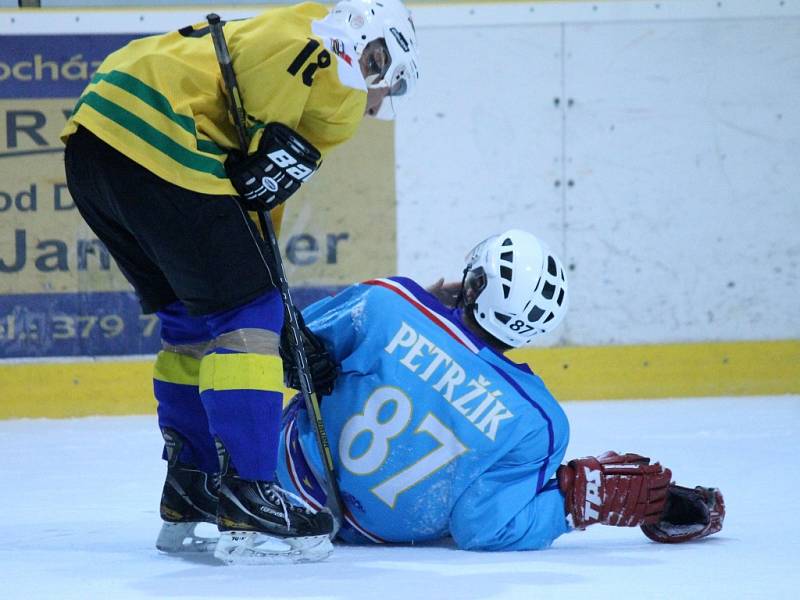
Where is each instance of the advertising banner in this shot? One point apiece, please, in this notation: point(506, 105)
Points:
point(61, 293)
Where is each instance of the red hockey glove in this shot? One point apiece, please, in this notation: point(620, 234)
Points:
point(623, 490)
point(689, 514)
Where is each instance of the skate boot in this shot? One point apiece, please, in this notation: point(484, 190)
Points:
point(188, 500)
point(260, 523)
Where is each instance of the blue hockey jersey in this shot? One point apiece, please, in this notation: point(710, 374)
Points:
point(432, 432)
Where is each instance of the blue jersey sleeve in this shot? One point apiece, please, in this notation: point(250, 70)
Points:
point(501, 509)
point(337, 321)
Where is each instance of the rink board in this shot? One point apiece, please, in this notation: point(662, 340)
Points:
point(124, 386)
point(685, 257)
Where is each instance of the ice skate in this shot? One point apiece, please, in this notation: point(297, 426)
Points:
point(260, 523)
point(188, 502)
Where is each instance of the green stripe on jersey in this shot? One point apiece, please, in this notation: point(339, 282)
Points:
point(158, 140)
point(155, 99)
point(210, 147)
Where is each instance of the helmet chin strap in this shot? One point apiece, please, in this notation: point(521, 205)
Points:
point(461, 299)
point(470, 321)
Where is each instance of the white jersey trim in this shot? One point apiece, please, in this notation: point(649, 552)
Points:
point(453, 329)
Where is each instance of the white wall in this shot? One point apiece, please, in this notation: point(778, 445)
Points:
point(667, 175)
point(654, 145)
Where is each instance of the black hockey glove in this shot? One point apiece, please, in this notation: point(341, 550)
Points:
point(268, 177)
point(323, 369)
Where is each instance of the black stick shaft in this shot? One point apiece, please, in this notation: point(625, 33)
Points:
point(236, 107)
point(235, 104)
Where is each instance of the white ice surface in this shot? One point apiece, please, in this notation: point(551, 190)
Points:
point(79, 503)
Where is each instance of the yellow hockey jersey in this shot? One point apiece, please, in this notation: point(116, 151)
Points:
point(160, 100)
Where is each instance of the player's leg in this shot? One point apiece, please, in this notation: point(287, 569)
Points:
point(241, 388)
point(189, 496)
point(104, 185)
point(516, 504)
point(211, 253)
point(207, 255)
point(543, 519)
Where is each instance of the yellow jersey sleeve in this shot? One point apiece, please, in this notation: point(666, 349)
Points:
point(160, 99)
point(306, 82)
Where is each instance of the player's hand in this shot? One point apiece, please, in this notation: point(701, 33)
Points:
point(322, 369)
point(284, 160)
point(689, 514)
point(446, 293)
point(614, 489)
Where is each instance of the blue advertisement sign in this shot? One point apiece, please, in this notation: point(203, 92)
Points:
point(90, 324)
point(53, 66)
point(61, 293)
point(41, 77)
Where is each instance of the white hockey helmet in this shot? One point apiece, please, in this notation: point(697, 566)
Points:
point(516, 286)
point(369, 20)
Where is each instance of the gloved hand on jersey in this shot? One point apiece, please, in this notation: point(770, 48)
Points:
point(283, 161)
point(322, 369)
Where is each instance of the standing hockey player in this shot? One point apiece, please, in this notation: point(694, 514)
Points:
point(434, 432)
point(151, 166)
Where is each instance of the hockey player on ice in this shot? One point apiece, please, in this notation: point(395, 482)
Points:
point(435, 433)
point(152, 164)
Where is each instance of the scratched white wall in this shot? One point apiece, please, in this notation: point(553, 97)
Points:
point(656, 147)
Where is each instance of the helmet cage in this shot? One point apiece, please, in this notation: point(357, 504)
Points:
point(368, 20)
point(402, 73)
point(474, 282)
point(524, 289)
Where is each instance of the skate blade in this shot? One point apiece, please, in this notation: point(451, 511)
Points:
point(253, 548)
point(183, 538)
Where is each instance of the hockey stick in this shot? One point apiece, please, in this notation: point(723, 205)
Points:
point(236, 107)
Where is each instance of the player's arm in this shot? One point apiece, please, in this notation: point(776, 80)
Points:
point(503, 510)
point(445, 292)
point(322, 368)
point(329, 334)
point(279, 159)
point(302, 85)
point(336, 120)
point(626, 490)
